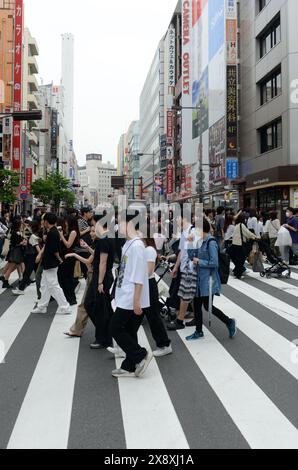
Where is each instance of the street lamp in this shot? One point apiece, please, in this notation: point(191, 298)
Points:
point(153, 170)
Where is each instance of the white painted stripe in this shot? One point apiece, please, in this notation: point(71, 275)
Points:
point(275, 345)
point(276, 283)
point(45, 416)
point(149, 417)
point(273, 303)
point(15, 317)
point(258, 419)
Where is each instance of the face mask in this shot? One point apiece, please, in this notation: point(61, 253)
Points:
point(288, 214)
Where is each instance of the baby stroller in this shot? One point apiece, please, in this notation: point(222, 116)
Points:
point(169, 302)
point(279, 268)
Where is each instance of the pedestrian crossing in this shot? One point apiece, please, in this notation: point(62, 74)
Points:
point(214, 393)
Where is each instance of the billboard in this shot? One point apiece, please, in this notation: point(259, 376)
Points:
point(209, 50)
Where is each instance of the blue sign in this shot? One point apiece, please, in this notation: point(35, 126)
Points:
point(24, 196)
point(232, 169)
point(216, 26)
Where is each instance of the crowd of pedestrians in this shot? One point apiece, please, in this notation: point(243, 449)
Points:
point(55, 253)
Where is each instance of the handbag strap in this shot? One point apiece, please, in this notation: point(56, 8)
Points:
point(242, 238)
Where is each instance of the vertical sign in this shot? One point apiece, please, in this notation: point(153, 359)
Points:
point(188, 156)
point(232, 118)
point(170, 128)
point(170, 180)
point(172, 56)
point(29, 178)
point(17, 91)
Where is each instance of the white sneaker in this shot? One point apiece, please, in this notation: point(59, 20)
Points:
point(162, 352)
point(64, 311)
point(118, 352)
point(143, 366)
point(18, 292)
point(39, 311)
point(120, 373)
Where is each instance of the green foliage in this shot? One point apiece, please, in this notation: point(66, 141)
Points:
point(54, 190)
point(9, 181)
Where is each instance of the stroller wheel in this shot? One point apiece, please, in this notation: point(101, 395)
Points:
point(268, 276)
point(263, 274)
point(288, 276)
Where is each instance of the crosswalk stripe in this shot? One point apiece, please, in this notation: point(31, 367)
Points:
point(282, 309)
point(251, 410)
point(279, 348)
point(15, 317)
point(150, 420)
point(277, 283)
point(44, 419)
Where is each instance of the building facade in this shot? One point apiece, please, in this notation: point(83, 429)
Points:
point(95, 179)
point(269, 104)
point(152, 122)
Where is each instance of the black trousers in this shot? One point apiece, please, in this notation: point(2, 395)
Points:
point(156, 324)
point(238, 256)
point(199, 303)
point(30, 266)
point(101, 315)
point(124, 329)
point(66, 279)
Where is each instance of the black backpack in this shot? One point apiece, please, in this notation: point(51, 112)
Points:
point(224, 263)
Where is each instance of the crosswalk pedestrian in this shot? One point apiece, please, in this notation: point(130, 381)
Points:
point(56, 393)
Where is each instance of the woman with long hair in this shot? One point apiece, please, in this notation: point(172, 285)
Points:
point(229, 230)
point(15, 255)
point(70, 241)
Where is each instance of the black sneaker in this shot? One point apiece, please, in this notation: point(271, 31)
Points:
point(191, 324)
point(6, 285)
point(176, 326)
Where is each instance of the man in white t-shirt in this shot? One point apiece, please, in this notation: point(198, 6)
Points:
point(132, 297)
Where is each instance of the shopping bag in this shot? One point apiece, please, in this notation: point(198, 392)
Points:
point(284, 238)
point(6, 246)
point(258, 266)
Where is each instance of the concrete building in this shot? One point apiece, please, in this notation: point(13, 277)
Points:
point(269, 103)
point(121, 155)
point(95, 180)
point(152, 121)
point(67, 90)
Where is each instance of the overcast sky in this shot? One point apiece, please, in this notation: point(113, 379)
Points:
point(115, 42)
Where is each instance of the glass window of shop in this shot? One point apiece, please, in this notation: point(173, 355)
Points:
point(276, 199)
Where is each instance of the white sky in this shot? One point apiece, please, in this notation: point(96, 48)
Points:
point(115, 41)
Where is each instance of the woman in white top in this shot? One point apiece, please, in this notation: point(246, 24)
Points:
point(272, 227)
point(238, 250)
point(252, 223)
point(229, 230)
point(152, 313)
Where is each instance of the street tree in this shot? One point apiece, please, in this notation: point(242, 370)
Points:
point(9, 182)
point(54, 190)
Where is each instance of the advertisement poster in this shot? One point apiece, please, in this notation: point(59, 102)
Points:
point(217, 151)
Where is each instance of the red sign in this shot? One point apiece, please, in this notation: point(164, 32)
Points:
point(170, 128)
point(17, 90)
point(29, 177)
point(170, 180)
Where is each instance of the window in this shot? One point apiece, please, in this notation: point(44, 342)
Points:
point(262, 4)
point(270, 37)
point(271, 86)
point(271, 136)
